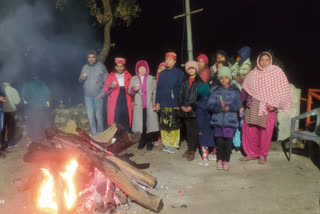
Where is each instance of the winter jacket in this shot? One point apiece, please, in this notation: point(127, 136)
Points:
point(152, 116)
point(168, 87)
point(231, 97)
point(93, 85)
point(203, 121)
point(243, 67)
point(114, 93)
point(188, 96)
point(12, 97)
point(36, 93)
point(241, 70)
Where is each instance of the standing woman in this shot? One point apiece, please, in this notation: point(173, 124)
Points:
point(145, 120)
point(265, 90)
point(167, 95)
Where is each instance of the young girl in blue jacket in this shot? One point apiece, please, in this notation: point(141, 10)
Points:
point(224, 104)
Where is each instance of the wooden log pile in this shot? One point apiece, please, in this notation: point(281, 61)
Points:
point(120, 179)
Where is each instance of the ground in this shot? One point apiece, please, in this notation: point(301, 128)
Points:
point(188, 188)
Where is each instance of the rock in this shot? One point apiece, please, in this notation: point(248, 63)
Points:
point(284, 119)
point(68, 119)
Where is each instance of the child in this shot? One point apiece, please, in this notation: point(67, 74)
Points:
point(224, 103)
point(145, 120)
point(187, 103)
point(205, 132)
point(204, 71)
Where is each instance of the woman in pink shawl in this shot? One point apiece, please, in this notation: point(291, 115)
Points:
point(265, 90)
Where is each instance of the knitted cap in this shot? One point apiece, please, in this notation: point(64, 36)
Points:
point(192, 64)
point(224, 72)
point(204, 58)
point(203, 90)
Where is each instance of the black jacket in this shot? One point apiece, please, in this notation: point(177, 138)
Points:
point(188, 96)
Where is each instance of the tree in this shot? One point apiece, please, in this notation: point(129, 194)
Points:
point(106, 14)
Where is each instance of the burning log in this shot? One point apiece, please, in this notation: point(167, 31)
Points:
point(91, 154)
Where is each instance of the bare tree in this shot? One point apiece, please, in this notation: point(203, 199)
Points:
point(107, 13)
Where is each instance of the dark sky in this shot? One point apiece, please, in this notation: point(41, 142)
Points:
point(290, 29)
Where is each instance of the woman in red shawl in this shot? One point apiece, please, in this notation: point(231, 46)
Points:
point(265, 90)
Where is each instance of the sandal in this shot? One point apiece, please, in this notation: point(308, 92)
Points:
point(247, 158)
point(262, 160)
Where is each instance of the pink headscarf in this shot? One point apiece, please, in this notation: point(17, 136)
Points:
point(204, 58)
point(268, 85)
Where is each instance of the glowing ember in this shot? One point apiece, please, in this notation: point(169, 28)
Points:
point(70, 194)
point(46, 199)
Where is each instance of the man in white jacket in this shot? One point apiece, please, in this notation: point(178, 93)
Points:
point(9, 109)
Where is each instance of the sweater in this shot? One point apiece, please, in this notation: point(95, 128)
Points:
point(168, 87)
point(93, 85)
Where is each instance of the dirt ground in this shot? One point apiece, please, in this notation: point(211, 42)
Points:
point(188, 188)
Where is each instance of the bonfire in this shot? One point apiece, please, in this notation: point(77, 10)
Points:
point(77, 174)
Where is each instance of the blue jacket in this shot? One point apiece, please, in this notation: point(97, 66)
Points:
point(231, 97)
point(203, 121)
point(244, 53)
point(168, 87)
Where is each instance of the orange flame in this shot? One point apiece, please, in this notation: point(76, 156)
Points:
point(47, 197)
point(70, 195)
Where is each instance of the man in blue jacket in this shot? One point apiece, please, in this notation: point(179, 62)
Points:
point(167, 95)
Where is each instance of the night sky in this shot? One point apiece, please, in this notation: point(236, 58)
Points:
point(290, 29)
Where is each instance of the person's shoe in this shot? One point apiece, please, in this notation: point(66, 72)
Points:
point(141, 145)
point(262, 160)
point(226, 166)
point(2, 155)
point(212, 157)
point(247, 158)
point(219, 165)
point(204, 162)
point(186, 154)
point(149, 146)
point(165, 149)
point(12, 146)
point(237, 149)
point(190, 157)
point(4, 146)
point(172, 150)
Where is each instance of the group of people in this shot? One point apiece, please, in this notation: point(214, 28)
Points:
point(34, 99)
point(215, 109)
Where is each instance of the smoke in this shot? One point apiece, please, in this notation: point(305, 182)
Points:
point(37, 37)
